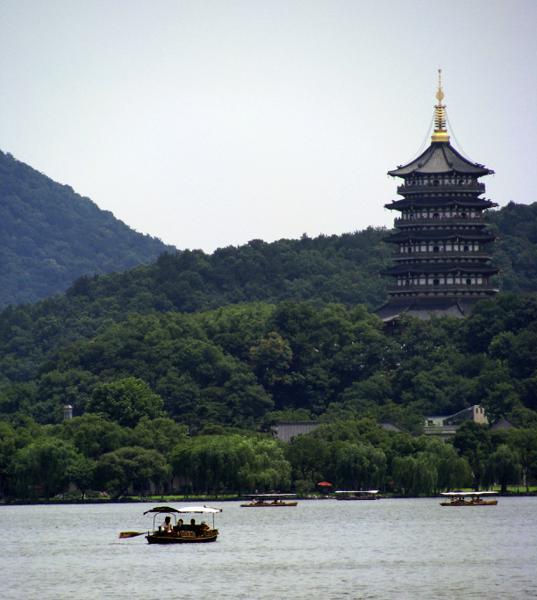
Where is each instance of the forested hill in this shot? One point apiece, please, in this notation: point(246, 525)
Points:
point(160, 384)
point(334, 268)
point(49, 236)
point(342, 269)
point(266, 331)
point(337, 268)
point(515, 251)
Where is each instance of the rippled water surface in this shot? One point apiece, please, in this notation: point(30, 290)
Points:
point(320, 549)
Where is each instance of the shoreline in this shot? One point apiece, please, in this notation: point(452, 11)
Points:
point(204, 499)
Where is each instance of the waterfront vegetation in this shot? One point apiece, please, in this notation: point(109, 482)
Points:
point(39, 462)
point(170, 402)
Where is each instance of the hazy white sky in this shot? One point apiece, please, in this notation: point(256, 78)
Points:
point(210, 123)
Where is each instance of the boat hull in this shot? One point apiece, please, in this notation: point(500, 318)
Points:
point(159, 538)
point(268, 504)
point(357, 499)
point(482, 503)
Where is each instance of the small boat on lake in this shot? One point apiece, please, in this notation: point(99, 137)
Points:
point(269, 500)
point(357, 494)
point(468, 499)
point(173, 531)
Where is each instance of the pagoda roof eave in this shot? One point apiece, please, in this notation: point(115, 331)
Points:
point(424, 308)
point(440, 158)
point(428, 268)
point(444, 201)
point(442, 234)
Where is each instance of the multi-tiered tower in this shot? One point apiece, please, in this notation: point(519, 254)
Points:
point(442, 257)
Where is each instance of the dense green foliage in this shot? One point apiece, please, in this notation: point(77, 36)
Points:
point(181, 400)
point(177, 370)
point(50, 236)
point(158, 456)
point(515, 251)
point(236, 365)
point(342, 269)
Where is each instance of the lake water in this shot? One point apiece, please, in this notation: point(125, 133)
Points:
point(320, 549)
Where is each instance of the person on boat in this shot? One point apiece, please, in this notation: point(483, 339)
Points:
point(167, 525)
point(179, 526)
point(193, 526)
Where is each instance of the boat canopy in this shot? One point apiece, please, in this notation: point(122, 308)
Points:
point(356, 491)
point(161, 509)
point(184, 509)
point(461, 494)
point(270, 496)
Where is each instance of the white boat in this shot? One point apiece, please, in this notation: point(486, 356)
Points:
point(174, 531)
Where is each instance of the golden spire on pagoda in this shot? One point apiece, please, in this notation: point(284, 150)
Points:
point(440, 133)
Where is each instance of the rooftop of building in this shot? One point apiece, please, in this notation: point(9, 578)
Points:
point(440, 158)
point(425, 308)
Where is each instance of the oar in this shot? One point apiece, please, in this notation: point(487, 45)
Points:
point(129, 534)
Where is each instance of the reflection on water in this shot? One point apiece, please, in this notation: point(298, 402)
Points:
point(320, 549)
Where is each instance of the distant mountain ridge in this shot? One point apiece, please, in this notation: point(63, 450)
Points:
point(50, 236)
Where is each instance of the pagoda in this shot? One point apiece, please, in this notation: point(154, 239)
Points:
point(441, 262)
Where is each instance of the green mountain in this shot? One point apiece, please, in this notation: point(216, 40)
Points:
point(327, 269)
point(178, 367)
point(259, 334)
point(183, 363)
point(50, 236)
point(333, 268)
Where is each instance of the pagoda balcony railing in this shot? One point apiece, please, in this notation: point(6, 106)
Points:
point(456, 287)
point(440, 189)
point(441, 255)
point(399, 222)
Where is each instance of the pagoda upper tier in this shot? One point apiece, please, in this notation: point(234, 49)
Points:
point(442, 243)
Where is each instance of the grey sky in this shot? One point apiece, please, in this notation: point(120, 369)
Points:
point(210, 123)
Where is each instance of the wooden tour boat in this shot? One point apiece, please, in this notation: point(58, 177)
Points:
point(269, 500)
point(357, 494)
point(174, 531)
point(468, 499)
